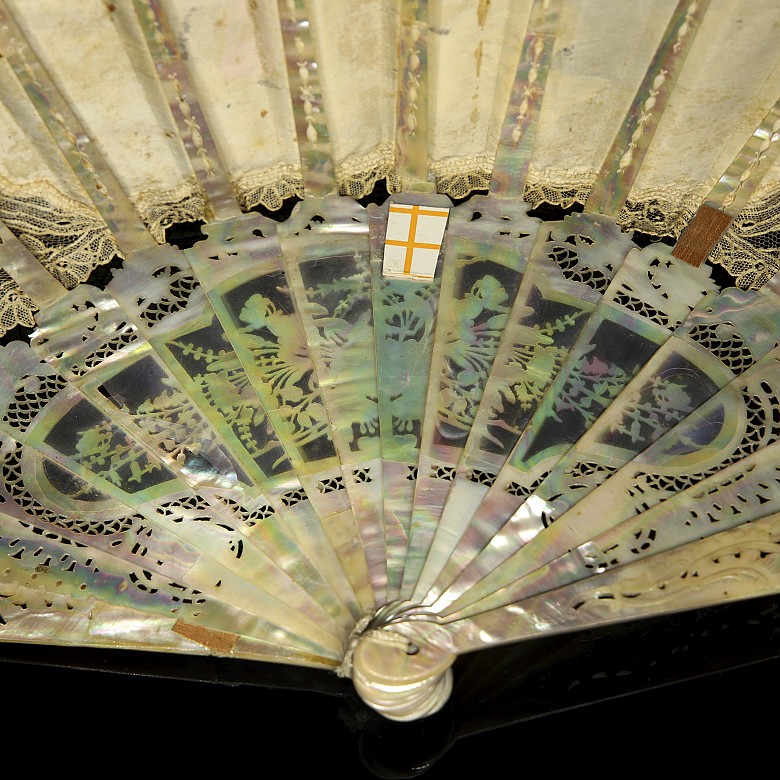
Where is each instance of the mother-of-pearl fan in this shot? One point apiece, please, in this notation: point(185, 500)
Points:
point(368, 439)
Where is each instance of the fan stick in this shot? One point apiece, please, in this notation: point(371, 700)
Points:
point(185, 106)
point(530, 517)
point(543, 540)
point(128, 482)
point(252, 285)
point(680, 33)
point(130, 219)
point(612, 347)
point(400, 366)
point(318, 175)
point(412, 110)
point(404, 312)
point(84, 597)
point(405, 309)
point(624, 158)
point(119, 467)
point(478, 287)
point(64, 338)
point(56, 305)
point(326, 230)
point(409, 472)
point(140, 392)
point(85, 158)
point(327, 260)
point(741, 493)
point(736, 564)
point(619, 172)
point(724, 336)
point(340, 531)
point(505, 231)
point(309, 111)
point(72, 138)
point(732, 192)
point(26, 271)
point(737, 421)
point(241, 416)
point(741, 179)
point(569, 268)
point(515, 144)
point(328, 216)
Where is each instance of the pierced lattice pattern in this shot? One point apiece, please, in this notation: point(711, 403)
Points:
point(251, 517)
point(32, 396)
point(124, 339)
point(481, 477)
point(192, 508)
point(632, 303)
point(331, 485)
point(362, 476)
point(731, 351)
point(442, 472)
point(523, 491)
point(293, 497)
point(13, 483)
point(568, 260)
point(179, 287)
point(589, 468)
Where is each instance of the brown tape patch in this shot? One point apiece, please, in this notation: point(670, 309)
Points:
point(218, 641)
point(701, 235)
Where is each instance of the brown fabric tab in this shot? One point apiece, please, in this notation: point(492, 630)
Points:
point(701, 235)
point(218, 641)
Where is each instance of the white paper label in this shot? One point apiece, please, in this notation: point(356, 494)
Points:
point(413, 240)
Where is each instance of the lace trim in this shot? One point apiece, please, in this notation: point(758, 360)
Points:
point(68, 238)
point(269, 188)
point(15, 307)
point(159, 210)
point(558, 188)
point(659, 212)
point(458, 177)
point(358, 175)
point(750, 249)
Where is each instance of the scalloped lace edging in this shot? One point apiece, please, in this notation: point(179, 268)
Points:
point(15, 307)
point(458, 177)
point(269, 188)
point(357, 175)
point(71, 240)
point(160, 209)
point(66, 236)
point(749, 250)
point(558, 188)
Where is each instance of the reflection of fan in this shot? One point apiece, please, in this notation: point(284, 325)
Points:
point(322, 440)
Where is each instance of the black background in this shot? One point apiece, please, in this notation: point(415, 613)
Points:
point(699, 686)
